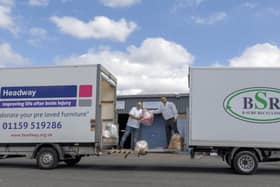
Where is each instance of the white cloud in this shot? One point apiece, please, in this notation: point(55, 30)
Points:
point(217, 64)
point(183, 4)
point(273, 11)
point(259, 55)
point(65, 1)
point(198, 2)
point(250, 5)
point(212, 19)
point(188, 3)
point(37, 35)
point(156, 66)
point(38, 2)
point(7, 2)
point(36, 31)
point(6, 19)
point(119, 3)
point(9, 57)
point(100, 27)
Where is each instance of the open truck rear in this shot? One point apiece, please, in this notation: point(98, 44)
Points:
point(235, 112)
point(55, 114)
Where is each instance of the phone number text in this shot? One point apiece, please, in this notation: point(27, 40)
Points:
point(32, 125)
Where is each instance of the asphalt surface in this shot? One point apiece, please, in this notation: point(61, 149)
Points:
point(151, 170)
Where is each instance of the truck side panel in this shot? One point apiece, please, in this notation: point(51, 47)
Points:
point(55, 104)
point(235, 107)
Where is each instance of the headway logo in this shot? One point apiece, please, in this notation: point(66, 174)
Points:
point(46, 96)
point(256, 105)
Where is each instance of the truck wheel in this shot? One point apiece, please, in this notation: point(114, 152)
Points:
point(47, 158)
point(73, 162)
point(245, 162)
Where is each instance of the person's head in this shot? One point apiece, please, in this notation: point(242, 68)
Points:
point(163, 100)
point(139, 105)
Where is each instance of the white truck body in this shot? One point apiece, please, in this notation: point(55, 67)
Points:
point(62, 104)
point(234, 107)
point(57, 113)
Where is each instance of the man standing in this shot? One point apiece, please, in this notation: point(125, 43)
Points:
point(169, 113)
point(133, 125)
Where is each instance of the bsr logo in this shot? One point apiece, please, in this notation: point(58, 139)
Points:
point(256, 105)
point(261, 102)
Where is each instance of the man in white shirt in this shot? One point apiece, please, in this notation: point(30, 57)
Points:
point(133, 125)
point(169, 114)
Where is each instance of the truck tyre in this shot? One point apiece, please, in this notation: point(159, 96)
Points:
point(47, 158)
point(73, 162)
point(245, 162)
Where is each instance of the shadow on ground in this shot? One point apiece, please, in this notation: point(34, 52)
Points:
point(214, 169)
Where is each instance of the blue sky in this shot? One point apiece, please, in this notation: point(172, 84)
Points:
point(148, 45)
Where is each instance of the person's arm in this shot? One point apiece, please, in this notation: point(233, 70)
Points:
point(134, 117)
point(174, 109)
point(157, 111)
point(132, 114)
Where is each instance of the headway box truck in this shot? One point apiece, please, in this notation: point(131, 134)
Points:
point(235, 112)
point(57, 114)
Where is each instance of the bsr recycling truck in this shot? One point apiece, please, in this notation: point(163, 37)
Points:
point(64, 113)
point(235, 112)
point(56, 114)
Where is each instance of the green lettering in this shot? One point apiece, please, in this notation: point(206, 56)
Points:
point(260, 100)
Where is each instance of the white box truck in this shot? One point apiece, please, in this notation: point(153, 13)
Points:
point(235, 112)
point(57, 113)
